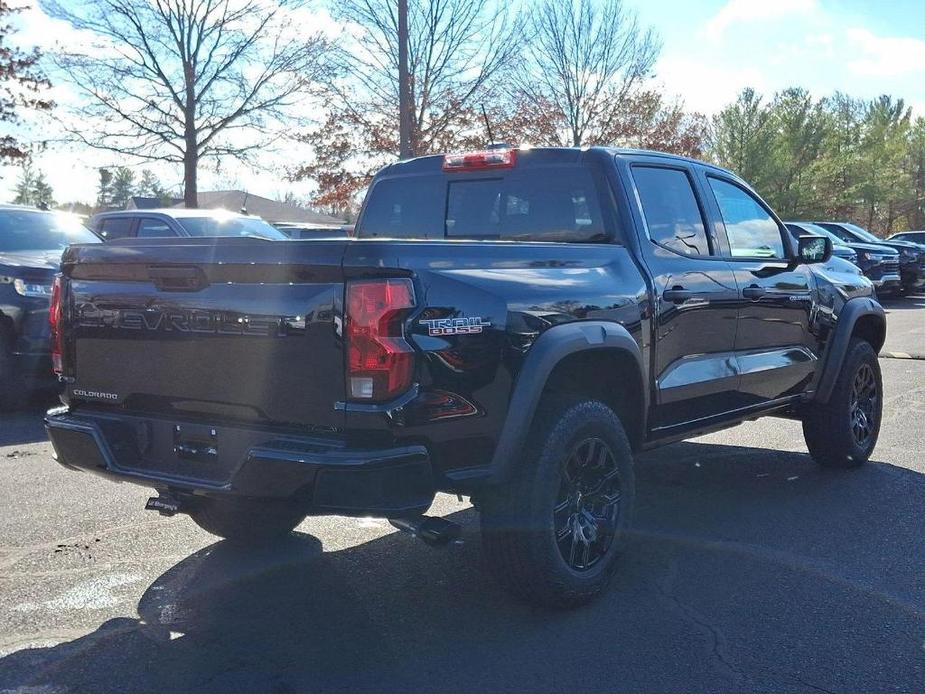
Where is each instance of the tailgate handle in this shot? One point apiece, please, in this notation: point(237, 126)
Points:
point(177, 279)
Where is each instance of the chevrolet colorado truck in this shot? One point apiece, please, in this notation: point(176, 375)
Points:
point(511, 325)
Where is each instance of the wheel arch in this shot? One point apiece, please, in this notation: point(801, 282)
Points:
point(861, 317)
point(596, 358)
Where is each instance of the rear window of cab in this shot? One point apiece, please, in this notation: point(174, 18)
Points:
point(549, 203)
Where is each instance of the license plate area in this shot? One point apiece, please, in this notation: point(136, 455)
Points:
point(196, 442)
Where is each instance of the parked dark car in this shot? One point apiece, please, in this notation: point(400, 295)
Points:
point(911, 255)
point(879, 263)
point(510, 325)
point(180, 222)
point(840, 249)
point(31, 242)
point(913, 236)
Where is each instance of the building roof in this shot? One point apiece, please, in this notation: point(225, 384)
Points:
point(140, 202)
point(272, 211)
point(174, 212)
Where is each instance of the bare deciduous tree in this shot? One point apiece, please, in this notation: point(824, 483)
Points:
point(183, 80)
point(456, 51)
point(585, 60)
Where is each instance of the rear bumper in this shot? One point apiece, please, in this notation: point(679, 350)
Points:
point(325, 476)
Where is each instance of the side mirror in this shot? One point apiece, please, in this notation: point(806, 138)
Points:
point(813, 249)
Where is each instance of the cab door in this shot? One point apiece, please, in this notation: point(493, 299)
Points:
point(695, 295)
point(775, 347)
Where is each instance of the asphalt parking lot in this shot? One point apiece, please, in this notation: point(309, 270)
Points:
point(750, 570)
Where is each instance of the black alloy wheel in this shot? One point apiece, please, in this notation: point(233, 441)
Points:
point(842, 431)
point(863, 408)
point(587, 511)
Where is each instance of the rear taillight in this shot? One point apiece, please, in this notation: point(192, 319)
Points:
point(54, 320)
point(479, 161)
point(380, 361)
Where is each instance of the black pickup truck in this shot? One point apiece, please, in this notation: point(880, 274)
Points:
point(509, 325)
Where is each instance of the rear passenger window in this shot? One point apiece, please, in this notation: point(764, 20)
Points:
point(153, 228)
point(117, 228)
point(672, 214)
point(751, 231)
point(409, 207)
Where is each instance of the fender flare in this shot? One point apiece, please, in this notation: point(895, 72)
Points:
point(550, 348)
point(848, 317)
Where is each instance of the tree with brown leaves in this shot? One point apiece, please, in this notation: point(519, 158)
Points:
point(23, 85)
point(457, 50)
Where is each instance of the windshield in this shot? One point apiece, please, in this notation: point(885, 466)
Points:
point(33, 230)
point(863, 233)
point(816, 229)
point(227, 225)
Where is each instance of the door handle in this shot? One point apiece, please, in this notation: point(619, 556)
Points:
point(754, 292)
point(677, 295)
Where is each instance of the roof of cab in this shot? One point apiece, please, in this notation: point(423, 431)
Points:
point(428, 162)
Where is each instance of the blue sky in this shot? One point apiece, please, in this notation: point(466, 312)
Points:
point(711, 50)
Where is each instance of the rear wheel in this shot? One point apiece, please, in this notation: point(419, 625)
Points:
point(246, 521)
point(553, 534)
point(843, 432)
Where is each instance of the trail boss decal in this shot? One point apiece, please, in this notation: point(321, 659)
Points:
point(455, 326)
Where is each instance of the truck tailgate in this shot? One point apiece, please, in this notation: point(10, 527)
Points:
point(214, 329)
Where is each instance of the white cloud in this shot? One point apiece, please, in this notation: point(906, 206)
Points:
point(884, 56)
point(706, 87)
point(736, 11)
point(34, 28)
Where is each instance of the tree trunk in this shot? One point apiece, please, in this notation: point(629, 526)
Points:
point(191, 153)
point(406, 149)
point(190, 188)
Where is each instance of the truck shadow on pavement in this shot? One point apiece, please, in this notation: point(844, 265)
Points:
point(750, 570)
point(26, 425)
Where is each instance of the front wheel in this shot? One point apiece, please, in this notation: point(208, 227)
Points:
point(246, 521)
point(553, 534)
point(843, 432)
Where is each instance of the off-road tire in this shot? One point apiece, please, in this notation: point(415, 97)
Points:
point(830, 429)
point(517, 519)
point(246, 521)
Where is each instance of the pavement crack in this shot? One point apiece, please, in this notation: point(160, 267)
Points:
point(16, 554)
point(716, 639)
point(812, 686)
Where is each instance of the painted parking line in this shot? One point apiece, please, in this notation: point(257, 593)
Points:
point(901, 355)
